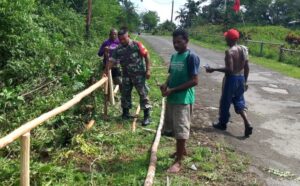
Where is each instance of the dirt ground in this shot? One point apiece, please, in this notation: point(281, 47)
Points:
point(273, 102)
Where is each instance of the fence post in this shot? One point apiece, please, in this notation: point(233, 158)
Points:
point(261, 48)
point(111, 89)
point(25, 159)
point(281, 53)
point(106, 99)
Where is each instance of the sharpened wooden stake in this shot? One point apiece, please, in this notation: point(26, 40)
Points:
point(25, 160)
point(90, 124)
point(106, 100)
point(153, 158)
point(136, 118)
point(111, 89)
point(117, 87)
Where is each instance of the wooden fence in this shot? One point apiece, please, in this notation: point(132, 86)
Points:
point(23, 132)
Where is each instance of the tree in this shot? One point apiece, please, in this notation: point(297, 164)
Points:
point(182, 14)
point(167, 26)
point(284, 11)
point(150, 20)
point(193, 9)
point(129, 17)
point(189, 14)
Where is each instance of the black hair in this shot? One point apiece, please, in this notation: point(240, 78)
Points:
point(123, 31)
point(113, 30)
point(181, 32)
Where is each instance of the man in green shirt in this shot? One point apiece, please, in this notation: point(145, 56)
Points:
point(180, 93)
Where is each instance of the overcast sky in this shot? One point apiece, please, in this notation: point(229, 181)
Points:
point(162, 7)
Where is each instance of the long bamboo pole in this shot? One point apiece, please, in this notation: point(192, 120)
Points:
point(27, 127)
point(25, 160)
point(153, 158)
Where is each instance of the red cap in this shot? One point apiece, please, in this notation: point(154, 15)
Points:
point(232, 34)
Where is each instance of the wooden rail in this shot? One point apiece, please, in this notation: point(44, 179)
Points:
point(27, 127)
point(23, 131)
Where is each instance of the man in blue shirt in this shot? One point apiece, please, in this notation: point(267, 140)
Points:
point(106, 51)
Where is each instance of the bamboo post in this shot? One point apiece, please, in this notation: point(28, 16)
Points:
point(111, 89)
point(25, 159)
point(27, 127)
point(153, 158)
point(281, 53)
point(106, 99)
point(136, 118)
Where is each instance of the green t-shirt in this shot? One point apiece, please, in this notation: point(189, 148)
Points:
point(179, 74)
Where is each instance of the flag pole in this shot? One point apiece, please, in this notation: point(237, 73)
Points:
point(243, 18)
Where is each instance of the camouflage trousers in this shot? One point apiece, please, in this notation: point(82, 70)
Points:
point(139, 82)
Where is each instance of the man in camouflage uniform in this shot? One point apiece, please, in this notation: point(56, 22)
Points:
point(130, 54)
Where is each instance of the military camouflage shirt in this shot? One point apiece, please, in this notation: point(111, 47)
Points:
point(129, 58)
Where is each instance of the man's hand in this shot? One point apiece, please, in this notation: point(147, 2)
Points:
point(106, 51)
point(209, 70)
point(167, 92)
point(245, 87)
point(163, 88)
point(104, 74)
point(148, 74)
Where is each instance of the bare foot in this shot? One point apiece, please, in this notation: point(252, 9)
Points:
point(174, 155)
point(175, 168)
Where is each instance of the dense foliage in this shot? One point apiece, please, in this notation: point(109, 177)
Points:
point(275, 12)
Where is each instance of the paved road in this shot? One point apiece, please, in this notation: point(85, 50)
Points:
point(274, 110)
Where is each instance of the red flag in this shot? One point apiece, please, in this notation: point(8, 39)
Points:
point(236, 6)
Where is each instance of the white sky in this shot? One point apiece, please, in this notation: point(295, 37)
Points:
point(162, 7)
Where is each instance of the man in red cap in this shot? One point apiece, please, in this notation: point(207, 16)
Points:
point(234, 83)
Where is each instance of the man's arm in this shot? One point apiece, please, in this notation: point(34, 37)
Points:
point(228, 65)
point(110, 63)
point(191, 83)
point(193, 68)
point(246, 70)
point(148, 66)
point(164, 86)
point(108, 66)
point(101, 50)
